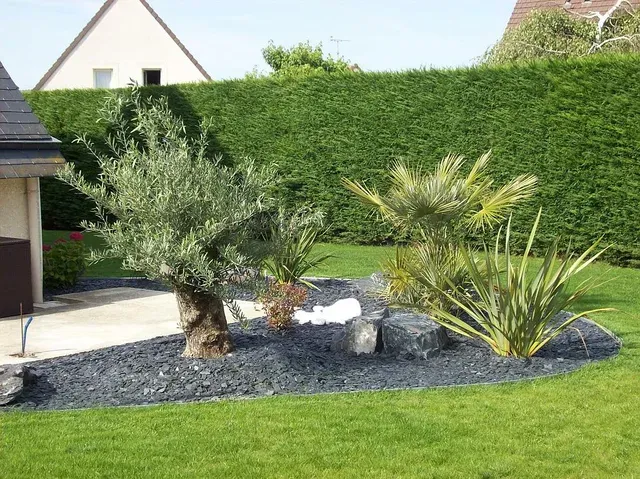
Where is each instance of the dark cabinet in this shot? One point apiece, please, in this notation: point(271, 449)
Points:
point(15, 277)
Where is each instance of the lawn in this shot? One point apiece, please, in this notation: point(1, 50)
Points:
point(585, 424)
point(348, 261)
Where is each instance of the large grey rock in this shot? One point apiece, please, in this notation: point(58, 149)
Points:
point(403, 334)
point(13, 379)
point(361, 335)
point(409, 334)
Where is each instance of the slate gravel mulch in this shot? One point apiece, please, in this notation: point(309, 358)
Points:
point(299, 362)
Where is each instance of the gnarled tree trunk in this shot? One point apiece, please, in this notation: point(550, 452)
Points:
point(204, 324)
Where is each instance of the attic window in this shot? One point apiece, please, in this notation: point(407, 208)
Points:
point(152, 77)
point(102, 78)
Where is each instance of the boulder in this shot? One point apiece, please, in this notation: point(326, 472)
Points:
point(409, 334)
point(13, 380)
point(403, 334)
point(362, 335)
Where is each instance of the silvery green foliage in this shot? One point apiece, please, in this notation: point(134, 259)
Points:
point(165, 207)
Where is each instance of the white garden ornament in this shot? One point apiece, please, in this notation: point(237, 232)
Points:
point(340, 312)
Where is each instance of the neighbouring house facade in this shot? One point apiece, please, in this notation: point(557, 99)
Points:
point(27, 152)
point(523, 7)
point(125, 40)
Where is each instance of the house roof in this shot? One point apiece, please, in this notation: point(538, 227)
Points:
point(523, 7)
point(26, 147)
point(96, 18)
point(17, 121)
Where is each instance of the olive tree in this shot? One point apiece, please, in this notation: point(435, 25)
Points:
point(175, 214)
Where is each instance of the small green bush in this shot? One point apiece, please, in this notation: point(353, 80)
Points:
point(280, 302)
point(64, 261)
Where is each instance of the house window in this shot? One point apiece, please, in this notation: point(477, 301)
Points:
point(152, 77)
point(102, 78)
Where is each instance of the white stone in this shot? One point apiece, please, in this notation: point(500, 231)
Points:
point(318, 320)
point(339, 312)
point(303, 317)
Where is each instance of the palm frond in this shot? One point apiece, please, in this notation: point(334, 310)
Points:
point(495, 205)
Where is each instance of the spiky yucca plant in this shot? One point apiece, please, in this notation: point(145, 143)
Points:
point(518, 314)
point(293, 236)
point(440, 207)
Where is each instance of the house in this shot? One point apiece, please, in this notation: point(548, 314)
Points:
point(126, 40)
point(27, 152)
point(523, 7)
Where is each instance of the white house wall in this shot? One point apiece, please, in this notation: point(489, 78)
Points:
point(128, 40)
point(14, 211)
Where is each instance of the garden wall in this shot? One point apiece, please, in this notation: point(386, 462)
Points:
point(574, 124)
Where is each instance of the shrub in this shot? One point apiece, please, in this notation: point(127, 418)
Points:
point(64, 261)
point(280, 302)
point(555, 33)
point(441, 207)
point(292, 238)
point(301, 59)
point(518, 314)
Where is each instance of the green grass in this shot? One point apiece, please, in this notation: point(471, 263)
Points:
point(106, 268)
point(349, 261)
point(585, 424)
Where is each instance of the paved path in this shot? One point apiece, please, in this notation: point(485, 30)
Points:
point(97, 319)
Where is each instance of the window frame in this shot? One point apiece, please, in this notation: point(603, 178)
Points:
point(144, 76)
point(97, 71)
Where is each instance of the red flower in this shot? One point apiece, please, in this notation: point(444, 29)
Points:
point(76, 236)
point(60, 240)
point(46, 247)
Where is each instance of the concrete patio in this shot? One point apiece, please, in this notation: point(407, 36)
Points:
point(79, 322)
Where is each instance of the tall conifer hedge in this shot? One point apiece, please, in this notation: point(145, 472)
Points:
point(575, 124)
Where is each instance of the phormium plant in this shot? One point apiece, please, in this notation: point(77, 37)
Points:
point(292, 238)
point(517, 306)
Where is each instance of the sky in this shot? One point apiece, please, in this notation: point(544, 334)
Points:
point(226, 37)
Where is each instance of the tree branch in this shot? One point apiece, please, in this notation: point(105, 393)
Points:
point(598, 46)
point(547, 50)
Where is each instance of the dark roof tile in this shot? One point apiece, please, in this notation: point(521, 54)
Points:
point(17, 121)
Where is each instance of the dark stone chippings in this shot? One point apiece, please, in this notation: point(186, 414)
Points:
point(298, 362)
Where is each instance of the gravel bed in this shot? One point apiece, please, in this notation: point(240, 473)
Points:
point(298, 362)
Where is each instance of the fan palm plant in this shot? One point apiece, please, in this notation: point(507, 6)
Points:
point(444, 198)
point(440, 206)
point(517, 312)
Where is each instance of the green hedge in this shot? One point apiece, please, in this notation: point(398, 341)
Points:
point(575, 124)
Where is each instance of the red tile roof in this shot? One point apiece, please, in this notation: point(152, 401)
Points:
point(523, 7)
